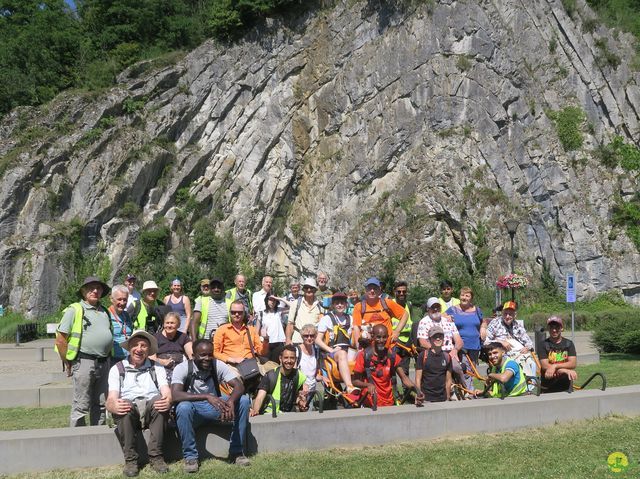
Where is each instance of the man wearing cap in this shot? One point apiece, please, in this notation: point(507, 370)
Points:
point(210, 312)
point(513, 337)
point(134, 294)
point(205, 288)
point(139, 398)
point(506, 330)
point(306, 310)
point(433, 369)
point(240, 292)
point(452, 343)
point(83, 341)
point(148, 314)
point(558, 359)
point(259, 296)
point(376, 310)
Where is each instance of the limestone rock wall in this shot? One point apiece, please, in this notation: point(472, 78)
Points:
point(333, 142)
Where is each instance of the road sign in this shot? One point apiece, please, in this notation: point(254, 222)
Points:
point(571, 288)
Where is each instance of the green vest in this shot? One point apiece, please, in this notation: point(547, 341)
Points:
point(73, 340)
point(275, 394)
point(519, 389)
point(140, 321)
point(231, 296)
point(204, 314)
point(405, 334)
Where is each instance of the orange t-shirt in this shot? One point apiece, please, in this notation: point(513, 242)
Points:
point(376, 314)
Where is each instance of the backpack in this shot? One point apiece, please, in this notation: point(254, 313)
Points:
point(152, 372)
point(190, 379)
point(385, 308)
point(369, 367)
point(425, 354)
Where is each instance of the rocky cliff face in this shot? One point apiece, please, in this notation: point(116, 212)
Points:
point(358, 133)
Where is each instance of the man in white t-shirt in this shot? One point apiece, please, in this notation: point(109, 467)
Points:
point(259, 296)
point(139, 397)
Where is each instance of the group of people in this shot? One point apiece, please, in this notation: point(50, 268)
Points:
point(144, 360)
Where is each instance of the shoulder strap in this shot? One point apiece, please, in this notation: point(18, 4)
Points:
point(298, 355)
point(385, 306)
point(214, 376)
point(272, 377)
point(368, 354)
point(152, 372)
point(189, 379)
point(295, 315)
point(391, 355)
point(120, 367)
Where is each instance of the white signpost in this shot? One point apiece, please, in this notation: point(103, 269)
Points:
point(571, 298)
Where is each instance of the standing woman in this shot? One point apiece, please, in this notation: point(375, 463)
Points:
point(179, 303)
point(269, 323)
point(472, 328)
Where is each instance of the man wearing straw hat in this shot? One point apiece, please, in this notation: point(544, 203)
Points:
point(139, 397)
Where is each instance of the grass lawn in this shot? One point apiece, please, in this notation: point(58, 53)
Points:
point(573, 450)
point(620, 370)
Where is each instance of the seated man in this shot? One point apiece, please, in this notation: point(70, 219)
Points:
point(513, 337)
point(376, 366)
point(433, 370)
point(198, 398)
point(285, 384)
point(231, 341)
point(559, 359)
point(505, 377)
point(139, 396)
point(334, 337)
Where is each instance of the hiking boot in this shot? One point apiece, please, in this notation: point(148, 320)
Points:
point(130, 469)
point(240, 460)
point(158, 464)
point(190, 465)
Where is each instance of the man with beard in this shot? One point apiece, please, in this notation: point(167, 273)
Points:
point(374, 368)
point(505, 377)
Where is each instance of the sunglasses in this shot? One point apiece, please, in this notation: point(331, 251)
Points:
point(236, 313)
point(308, 335)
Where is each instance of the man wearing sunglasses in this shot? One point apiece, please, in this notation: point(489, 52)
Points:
point(231, 340)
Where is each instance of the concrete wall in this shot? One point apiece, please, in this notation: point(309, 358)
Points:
point(98, 445)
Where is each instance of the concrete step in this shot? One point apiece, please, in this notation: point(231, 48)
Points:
point(99, 447)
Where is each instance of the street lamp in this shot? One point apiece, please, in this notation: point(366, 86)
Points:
point(512, 226)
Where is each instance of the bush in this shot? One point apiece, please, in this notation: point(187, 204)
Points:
point(618, 333)
point(568, 122)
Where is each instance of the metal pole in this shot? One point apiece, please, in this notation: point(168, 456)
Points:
point(513, 292)
point(573, 317)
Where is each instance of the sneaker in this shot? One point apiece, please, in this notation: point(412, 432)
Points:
point(158, 465)
point(190, 465)
point(130, 469)
point(240, 460)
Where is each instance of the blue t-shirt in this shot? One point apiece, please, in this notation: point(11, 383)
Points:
point(468, 324)
point(515, 379)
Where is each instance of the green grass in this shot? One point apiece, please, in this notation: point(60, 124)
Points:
point(16, 418)
point(620, 370)
point(573, 450)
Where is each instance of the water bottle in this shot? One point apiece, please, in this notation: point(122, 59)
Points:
point(1, 311)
